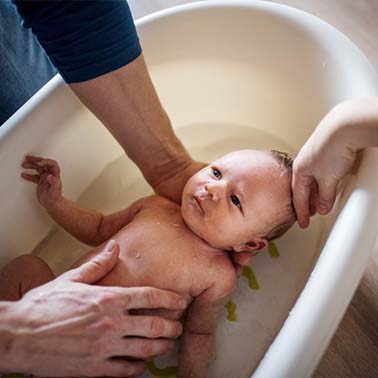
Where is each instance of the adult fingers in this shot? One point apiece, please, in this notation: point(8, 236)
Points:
point(119, 367)
point(141, 348)
point(152, 327)
point(301, 194)
point(97, 267)
point(313, 198)
point(149, 297)
point(326, 197)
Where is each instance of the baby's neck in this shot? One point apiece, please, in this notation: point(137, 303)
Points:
point(203, 242)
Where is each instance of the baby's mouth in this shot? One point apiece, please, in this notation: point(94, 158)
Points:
point(197, 203)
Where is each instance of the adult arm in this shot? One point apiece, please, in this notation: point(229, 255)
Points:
point(92, 325)
point(95, 47)
point(330, 153)
point(126, 102)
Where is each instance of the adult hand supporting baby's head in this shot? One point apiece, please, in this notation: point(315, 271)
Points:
point(330, 154)
point(69, 328)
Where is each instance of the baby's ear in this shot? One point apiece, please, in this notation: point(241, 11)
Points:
point(253, 246)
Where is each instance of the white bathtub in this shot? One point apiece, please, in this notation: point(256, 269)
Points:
point(231, 74)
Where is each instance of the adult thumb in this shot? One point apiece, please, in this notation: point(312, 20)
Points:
point(97, 267)
point(326, 197)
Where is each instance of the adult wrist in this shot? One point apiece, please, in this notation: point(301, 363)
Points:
point(175, 161)
point(10, 323)
point(357, 122)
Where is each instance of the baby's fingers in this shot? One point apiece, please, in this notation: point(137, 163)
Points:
point(25, 164)
point(33, 159)
point(31, 162)
point(50, 165)
point(32, 178)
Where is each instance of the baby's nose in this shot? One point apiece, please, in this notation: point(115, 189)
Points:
point(215, 190)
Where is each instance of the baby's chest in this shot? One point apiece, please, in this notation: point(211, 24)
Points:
point(162, 255)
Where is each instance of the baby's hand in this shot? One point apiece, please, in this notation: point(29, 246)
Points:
point(49, 185)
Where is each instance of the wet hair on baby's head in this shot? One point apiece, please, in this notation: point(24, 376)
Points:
point(284, 159)
point(286, 163)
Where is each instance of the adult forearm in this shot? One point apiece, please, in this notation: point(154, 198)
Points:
point(8, 333)
point(81, 223)
point(127, 104)
point(356, 122)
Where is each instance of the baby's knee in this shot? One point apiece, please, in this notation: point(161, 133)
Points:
point(26, 272)
point(25, 263)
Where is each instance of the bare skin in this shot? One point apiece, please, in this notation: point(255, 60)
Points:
point(140, 121)
point(101, 312)
point(127, 104)
point(157, 244)
point(330, 153)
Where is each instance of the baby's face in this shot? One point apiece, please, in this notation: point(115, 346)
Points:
point(237, 199)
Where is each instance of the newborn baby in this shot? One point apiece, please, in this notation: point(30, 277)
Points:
point(237, 203)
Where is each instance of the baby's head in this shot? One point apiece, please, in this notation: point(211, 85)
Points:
point(241, 201)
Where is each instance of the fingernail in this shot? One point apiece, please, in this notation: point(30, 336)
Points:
point(323, 208)
point(182, 303)
point(110, 246)
point(179, 329)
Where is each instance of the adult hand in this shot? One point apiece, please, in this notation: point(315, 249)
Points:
point(69, 328)
point(325, 159)
point(173, 184)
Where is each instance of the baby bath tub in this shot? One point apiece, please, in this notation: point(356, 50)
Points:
point(231, 75)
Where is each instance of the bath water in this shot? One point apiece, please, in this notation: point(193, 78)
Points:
point(258, 314)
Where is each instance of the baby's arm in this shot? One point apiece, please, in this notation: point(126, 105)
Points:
point(197, 348)
point(88, 226)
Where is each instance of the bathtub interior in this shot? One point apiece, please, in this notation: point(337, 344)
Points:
point(230, 78)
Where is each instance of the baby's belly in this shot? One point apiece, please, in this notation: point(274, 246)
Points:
point(122, 276)
point(137, 268)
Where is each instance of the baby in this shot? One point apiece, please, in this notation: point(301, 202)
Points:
point(237, 203)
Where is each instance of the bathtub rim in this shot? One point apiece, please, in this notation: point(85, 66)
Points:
point(285, 357)
point(273, 357)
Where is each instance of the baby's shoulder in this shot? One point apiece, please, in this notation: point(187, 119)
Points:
point(225, 276)
point(159, 201)
point(221, 276)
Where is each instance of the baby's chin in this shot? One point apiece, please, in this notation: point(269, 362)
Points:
point(193, 224)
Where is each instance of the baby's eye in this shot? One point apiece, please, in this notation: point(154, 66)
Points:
point(235, 201)
point(217, 174)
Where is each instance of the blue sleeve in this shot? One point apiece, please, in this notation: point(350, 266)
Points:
point(83, 39)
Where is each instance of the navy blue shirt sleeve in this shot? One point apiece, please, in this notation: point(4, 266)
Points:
point(83, 39)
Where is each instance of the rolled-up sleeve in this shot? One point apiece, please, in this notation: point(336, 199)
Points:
point(83, 39)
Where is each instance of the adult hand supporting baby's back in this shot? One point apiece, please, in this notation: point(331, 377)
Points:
point(70, 328)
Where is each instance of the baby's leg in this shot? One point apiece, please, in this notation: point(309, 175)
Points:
point(21, 275)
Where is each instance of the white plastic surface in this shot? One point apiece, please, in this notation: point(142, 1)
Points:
point(228, 73)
